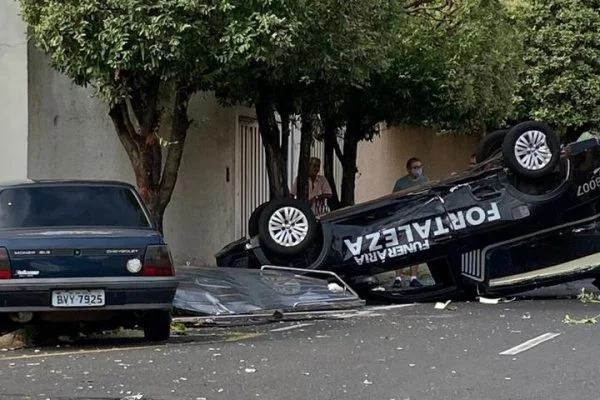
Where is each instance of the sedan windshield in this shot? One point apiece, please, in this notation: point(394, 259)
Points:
point(70, 205)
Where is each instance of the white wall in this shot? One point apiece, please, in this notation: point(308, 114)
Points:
point(71, 136)
point(13, 98)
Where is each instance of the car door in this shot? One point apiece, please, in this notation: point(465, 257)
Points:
point(387, 231)
point(477, 205)
point(481, 212)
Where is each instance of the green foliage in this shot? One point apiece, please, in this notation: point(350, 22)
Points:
point(456, 71)
point(329, 43)
point(450, 64)
point(116, 44)
point(561, 83)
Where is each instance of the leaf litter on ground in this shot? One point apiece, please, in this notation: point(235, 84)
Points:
point(588, 297)
point(586, 320)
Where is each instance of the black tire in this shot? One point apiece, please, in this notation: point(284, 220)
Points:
point(157, 325)
point(521, 134)
point(253, 221)
point(302, 210)
point(490, 145)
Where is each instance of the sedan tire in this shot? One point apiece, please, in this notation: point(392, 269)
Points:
point(157, 325)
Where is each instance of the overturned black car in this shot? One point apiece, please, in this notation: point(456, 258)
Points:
point(524, 217)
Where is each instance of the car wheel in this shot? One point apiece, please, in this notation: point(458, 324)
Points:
point(157, 325)
point(287, 226)
point(531, 149)
point(253, 221)
point(490, 145)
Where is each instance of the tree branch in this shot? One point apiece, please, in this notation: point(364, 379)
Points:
point(128, 127)
point(417, 3)
point(151, 116)
point(129, 144)
point(175, 149)
point(338, 151)
point(425, 8)
point(132, 117)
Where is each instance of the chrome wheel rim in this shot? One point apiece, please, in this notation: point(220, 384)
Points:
point(288, 226)
point(532, 150)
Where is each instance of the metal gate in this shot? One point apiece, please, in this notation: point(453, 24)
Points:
point(252, 181)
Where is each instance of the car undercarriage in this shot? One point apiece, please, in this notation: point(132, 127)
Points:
point(524, 217)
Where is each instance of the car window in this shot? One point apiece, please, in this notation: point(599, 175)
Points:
point(70, 205)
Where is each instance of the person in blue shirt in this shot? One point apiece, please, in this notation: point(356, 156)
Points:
point(414, 177)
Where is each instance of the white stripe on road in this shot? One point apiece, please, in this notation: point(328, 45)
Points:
point(391, 307)
point(287, 328)
point(529, 344)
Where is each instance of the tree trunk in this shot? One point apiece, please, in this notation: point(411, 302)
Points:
point(351, 139)
point(179, 128)
point(285, 140)
point(306, 138)
point(155, 182)
point(269, 132)
point(329, 143)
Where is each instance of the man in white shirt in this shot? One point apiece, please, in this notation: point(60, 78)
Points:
point(318, 187)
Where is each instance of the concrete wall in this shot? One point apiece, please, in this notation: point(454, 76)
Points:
point(13, 99)
point(383, 161)
point(71, 136)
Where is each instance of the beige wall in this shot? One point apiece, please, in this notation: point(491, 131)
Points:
point(383, 161)
point(13, 92)
point(71, 136)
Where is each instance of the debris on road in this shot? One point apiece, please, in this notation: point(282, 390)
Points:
point(442, 306)
point(134, 397)
point(487, 300)
point(178, 328)
point(230, 292)
point(529, 344)
point(18, 339)
point(588, 297)
point(586, 320)
point(287, 328)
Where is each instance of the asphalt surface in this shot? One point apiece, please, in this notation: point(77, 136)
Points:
point(413, 352)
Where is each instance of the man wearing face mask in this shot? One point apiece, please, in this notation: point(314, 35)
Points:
point(415, 177)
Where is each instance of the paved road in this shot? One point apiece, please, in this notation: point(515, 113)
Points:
point(415, 352)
